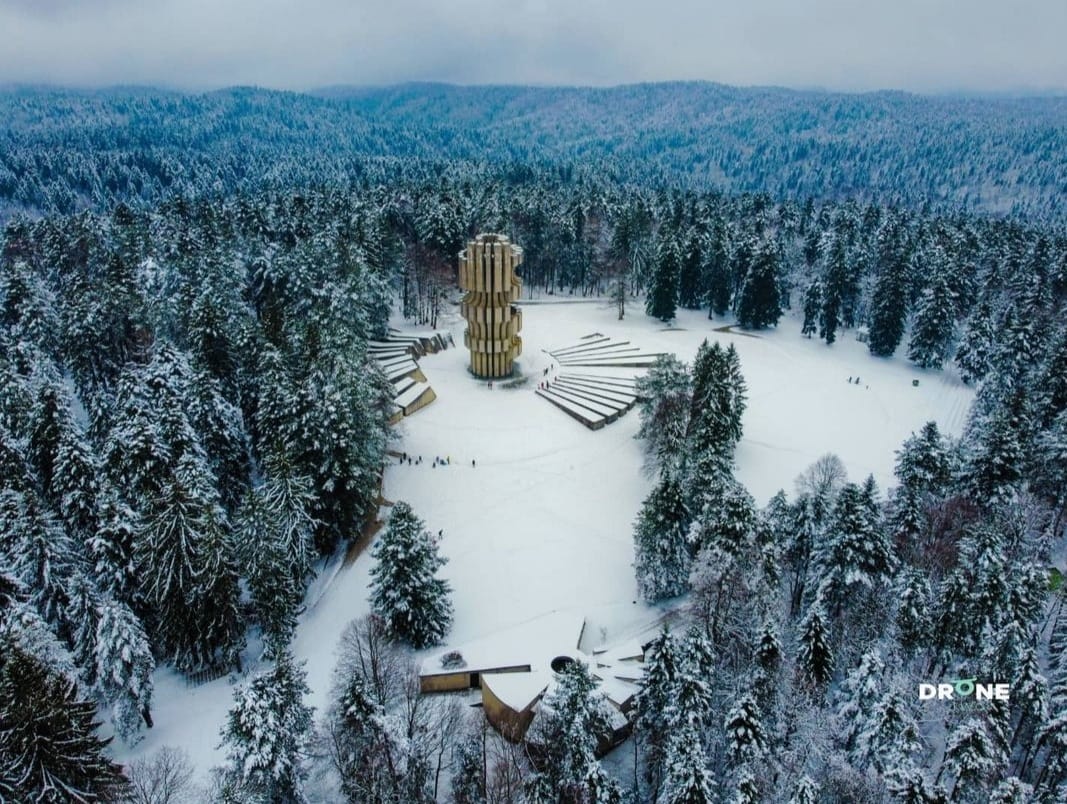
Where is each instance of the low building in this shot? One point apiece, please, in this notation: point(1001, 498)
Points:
point(515, 668)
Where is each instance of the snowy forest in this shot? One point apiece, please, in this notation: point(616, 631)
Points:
point(63, 150)
point(190, 423)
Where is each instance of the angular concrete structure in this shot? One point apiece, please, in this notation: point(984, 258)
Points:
point(487, 274)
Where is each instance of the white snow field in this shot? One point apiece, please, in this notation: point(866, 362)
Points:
point(543, 522)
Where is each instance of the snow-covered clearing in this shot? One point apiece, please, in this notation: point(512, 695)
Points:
point(543, 522)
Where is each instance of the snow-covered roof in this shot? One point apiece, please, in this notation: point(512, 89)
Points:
point(534, 644)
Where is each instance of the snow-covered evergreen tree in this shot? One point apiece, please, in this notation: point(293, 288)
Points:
point(746, 739)
point(49, 750)
point(661, 548)
point(924, 470)
point(812, 308)
point(275, 536)
point(889, 737)
point(124, 666)
point(759, 305)
point(833, 288)
point(805, 791)
point(267, 732)
point(856, 552)
point(571, 720)
point(971, 757)
point(187, 569)
point(654, 703)
point(975, 350)
point(814, 656)
point(405, 591)
point(717, 406)
point(663, 404)
point(913, 606)
point(662, 298)
point(687, 779)
point(996, 452)
point(935, 323)
point(468, 779)
point(889, 302)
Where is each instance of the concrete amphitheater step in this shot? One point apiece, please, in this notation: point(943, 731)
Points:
point(635, 361)
point(597, 392)
point(593, 421)
point(612, 352)
point(626, 383)
point(577, 347)
point(607, 410)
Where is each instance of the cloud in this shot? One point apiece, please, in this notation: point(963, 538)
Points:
point(924, 45)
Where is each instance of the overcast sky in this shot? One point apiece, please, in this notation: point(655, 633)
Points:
point(919, 45)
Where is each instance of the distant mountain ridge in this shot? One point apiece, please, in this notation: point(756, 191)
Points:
point(65, 149)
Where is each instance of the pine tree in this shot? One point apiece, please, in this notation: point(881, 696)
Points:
point(1029, 699)
point(971, 757)
point(996, 450)
point(890, 735)
point(124, 666)
point(570, 722)
point(935, 323)
point(924, 471)
point(43, 557)
point(654, 703)
point(687, 779)
point(746, 740)
point(814, 656)
point(805, 791)
point(858, 693)
point(662, 297)
point(187, 570)
point(76, 485)
point(812, 306)
point(111, 548)
point(834, 282)
point(1012, 791)
point(717, 268)
point(746, 790)
point(468, 780)
point(49, 750)
point(1052, 383)
point(912, 619)
point(404, 589)
point(889, 304)
point(276, 535)
point(661, 549)
point(82, 615)
point(690, 292)
point(975, 350)
point(909, 786)
point(729, 520)
point(267, 732)
point(856, 551)
point(759, 305)
point(664, 400)
point(717, 406)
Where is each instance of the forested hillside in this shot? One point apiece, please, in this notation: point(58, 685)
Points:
point(189, 421)
point(61, 151)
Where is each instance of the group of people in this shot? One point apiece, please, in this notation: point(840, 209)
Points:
point(416, 460)
point(856, 380)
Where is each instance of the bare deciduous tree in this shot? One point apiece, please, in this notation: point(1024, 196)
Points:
point(163, 778)
point(824, 478)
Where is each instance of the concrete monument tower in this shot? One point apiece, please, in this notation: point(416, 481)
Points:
point(487, 274)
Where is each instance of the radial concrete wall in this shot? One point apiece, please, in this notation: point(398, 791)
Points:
point(487, 274)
